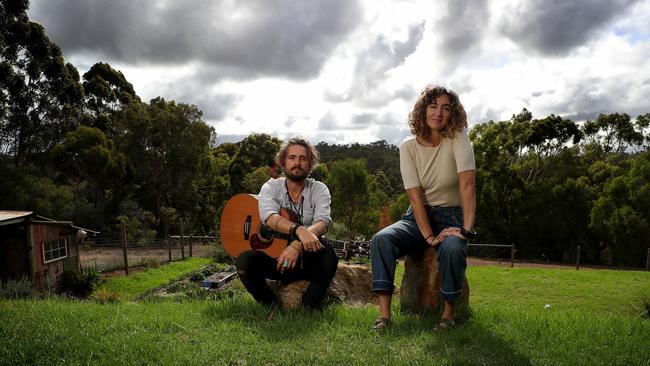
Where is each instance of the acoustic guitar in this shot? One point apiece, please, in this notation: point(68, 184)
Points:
point(241, 229)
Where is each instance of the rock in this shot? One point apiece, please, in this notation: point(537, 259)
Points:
point(351, 285)
point(420, 290)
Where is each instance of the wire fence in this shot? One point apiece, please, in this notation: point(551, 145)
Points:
point(111, 254)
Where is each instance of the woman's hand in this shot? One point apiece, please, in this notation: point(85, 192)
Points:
point(450, 231)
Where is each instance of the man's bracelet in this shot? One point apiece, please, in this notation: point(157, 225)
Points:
point(297, 246)
point(293, 229)
point(427, 238)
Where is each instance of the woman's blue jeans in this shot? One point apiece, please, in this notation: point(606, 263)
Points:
point(404, 237)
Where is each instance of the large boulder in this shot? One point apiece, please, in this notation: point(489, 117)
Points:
point(351, 285)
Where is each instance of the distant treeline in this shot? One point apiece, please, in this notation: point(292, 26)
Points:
point(88, 149)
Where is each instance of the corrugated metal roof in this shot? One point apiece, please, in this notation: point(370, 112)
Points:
point(12, 217)
point(8, 217)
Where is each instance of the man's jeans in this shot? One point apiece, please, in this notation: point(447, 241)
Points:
point(404, 237)
point(254, 267)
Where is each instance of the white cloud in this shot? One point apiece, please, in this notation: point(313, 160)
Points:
point(345, 72)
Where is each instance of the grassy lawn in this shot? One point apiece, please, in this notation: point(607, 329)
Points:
point(128, 287)
point(508, 325)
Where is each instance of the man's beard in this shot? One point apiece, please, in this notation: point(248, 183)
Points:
point(299, 176)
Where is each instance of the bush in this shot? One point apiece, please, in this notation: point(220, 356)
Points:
point(220, 255)
point(18, 289)
point(79, 284)
point(150, 263)
point(105, 296)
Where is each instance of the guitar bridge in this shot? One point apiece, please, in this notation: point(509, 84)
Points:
point(247, 227)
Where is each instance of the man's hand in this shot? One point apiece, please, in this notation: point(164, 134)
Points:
point(310, 242)
point(288, 259)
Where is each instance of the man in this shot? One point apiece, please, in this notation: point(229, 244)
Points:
point(305, 258)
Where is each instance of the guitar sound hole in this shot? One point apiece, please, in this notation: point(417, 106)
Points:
point(265, 233)
point(258, 244)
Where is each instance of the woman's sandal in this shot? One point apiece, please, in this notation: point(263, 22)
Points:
point(381, 324)
point(445, 324)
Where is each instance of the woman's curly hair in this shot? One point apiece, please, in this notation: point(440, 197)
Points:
point(312, 153)
point(418, 116)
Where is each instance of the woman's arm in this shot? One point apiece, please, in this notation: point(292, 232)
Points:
point(416, 196)
point(468, 197)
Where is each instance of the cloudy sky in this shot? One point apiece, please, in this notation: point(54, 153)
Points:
point(345, 71)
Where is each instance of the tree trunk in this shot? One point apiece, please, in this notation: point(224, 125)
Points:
point(420, 290)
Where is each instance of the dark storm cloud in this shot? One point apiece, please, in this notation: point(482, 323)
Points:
point(462, 28)
point(363, 119)
point(554, 27)
point(328, 122)
point(252, 38)
point(214, 107)
point(381, 56)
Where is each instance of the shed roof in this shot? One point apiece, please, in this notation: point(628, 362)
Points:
point(11, 217)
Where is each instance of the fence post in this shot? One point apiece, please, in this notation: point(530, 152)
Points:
point(183, 249)
point(647, 261)
point(512, 255)
point(169, 248)
point(182, 237)
point(190, 246)
point(578, 258)
point(126, 261)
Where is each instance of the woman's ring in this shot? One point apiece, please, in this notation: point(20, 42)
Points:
point(285, 264)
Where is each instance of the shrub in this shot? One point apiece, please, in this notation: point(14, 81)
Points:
point(79, 283)
point(105, 296)
point(18, 289)
point(150, 263)
point(220, 255)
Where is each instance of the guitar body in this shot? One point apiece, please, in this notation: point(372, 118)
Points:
point(241, 228)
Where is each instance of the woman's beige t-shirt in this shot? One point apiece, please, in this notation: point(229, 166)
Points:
point(436, 169)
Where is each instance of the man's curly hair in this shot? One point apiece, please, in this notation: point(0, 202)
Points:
point(418, 116)
point(312, 153)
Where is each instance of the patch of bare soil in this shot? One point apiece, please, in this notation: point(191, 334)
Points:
point(112, 258)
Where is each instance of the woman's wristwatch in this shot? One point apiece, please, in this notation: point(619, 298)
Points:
point(469, 234)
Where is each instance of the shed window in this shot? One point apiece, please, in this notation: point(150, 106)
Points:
point(54, 249)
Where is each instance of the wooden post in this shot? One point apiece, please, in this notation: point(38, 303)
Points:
point(183, 250)
point(578, 258)
point(190, 245)
point(126, 261)
point(647, 261)
point(169, 248)
point(182, 235)
point(512, 255)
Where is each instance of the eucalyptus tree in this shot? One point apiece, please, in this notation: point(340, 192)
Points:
point(356, 198)
point(40, 95)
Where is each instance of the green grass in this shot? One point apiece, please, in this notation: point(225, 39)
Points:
point(597, 292)
point(508, 325)
point(128, 287)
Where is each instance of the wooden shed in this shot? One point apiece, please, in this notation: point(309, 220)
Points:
point(38, 248)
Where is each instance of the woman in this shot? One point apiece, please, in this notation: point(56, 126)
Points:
point(438, 172)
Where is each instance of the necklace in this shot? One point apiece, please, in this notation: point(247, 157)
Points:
point(296, 207)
